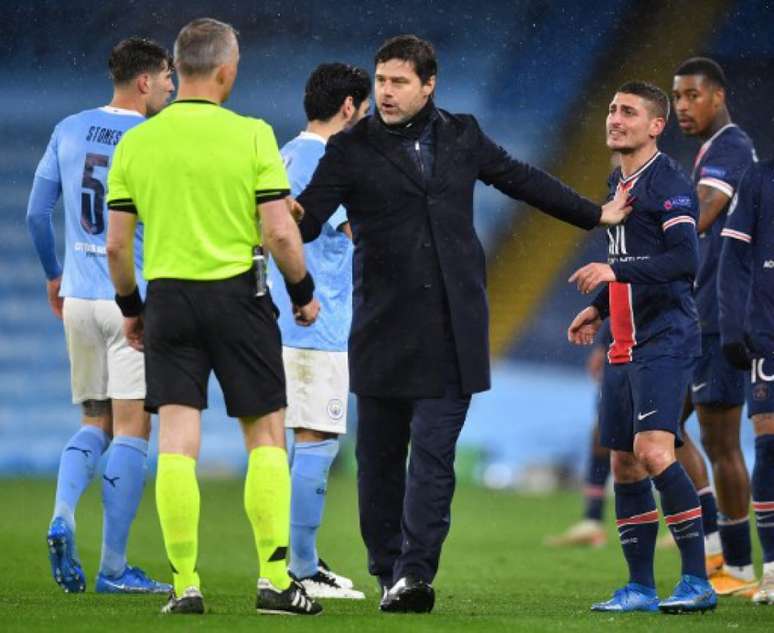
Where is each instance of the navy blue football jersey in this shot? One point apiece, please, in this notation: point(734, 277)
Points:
point(746, 277)
point(654, 255)
point(720, 163)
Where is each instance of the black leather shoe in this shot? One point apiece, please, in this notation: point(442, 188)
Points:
point(408, 595)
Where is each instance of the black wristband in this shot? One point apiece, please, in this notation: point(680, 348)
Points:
point(131, 305)
point(302, 292)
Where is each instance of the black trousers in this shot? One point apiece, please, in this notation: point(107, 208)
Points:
point(405, 514)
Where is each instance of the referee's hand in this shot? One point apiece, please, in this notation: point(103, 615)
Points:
point(133, 331)
point(306, 315)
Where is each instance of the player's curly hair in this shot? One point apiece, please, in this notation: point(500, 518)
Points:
point(134, 56)
point(329, 85)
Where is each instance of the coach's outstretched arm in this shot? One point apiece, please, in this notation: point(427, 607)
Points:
point(541, 190)
point(282, 239)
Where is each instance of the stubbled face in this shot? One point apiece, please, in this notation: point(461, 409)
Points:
point(630, 124)
point(160, 89)
point(696, 102)
point(399, 92)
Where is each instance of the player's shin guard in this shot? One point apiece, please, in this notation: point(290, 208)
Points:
point(309, 479)
point(76, 469)
point(682, 513)
point(122, 485)
point(267, 503)
point(637, 521)
point(763, 494)
point(177, 500)
point(594, 489)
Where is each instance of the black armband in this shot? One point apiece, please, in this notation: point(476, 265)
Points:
point(301, 293)
point(131, 305)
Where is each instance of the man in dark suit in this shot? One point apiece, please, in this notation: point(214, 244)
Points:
point(419, 345)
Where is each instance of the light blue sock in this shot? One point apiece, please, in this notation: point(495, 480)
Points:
point(76, 468)
point(309, 480)
point(122, 486)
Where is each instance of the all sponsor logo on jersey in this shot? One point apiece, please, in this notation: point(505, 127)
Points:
point(769, 263)
point(713, 172)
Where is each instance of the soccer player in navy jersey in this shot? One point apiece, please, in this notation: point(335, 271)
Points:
point(746, 297)
point(647, 293)
point(717, 388)
point(107, 375)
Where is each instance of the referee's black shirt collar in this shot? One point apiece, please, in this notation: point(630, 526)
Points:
point(205, 101)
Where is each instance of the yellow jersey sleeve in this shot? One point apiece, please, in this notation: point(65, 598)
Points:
point(271, 180)
point(119, 198)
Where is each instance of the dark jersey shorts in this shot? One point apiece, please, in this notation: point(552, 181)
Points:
point(760, 387)
point(195, 327)
point(645, 395)
point(715, 381)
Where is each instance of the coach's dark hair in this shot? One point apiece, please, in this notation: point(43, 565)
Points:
point(202, 45)
point(135, 56)
point(329, 85)
point(705, 66)
point(654, 95)
point(410, 48)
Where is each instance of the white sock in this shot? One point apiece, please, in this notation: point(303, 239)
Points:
point(746, 572)
point(712, 546)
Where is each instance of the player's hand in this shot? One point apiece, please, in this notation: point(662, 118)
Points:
point(133, 331)
point(737, 354)
point(616, 211)
point(296, 210)
point(54, 300)
point(306, 315)
point(590, 276)
point(584, 327)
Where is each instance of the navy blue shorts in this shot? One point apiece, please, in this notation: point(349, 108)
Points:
point(760, 387)
point(642, 396)
point(715, 381)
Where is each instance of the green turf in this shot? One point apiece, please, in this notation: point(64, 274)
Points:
point(495, 574)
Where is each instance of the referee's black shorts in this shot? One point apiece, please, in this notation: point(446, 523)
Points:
point(192, 327)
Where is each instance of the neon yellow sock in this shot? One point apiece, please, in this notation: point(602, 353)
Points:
point(267, 503)
point(177, 501)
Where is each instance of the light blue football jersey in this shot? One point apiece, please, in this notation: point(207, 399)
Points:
point(328, 260)
point(78, 157)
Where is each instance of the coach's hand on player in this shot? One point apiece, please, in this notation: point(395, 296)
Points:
point(584, 327)
point(54, 300)
point(306, 315)
point(616, 211)
point(133, 331)
point(591, 276)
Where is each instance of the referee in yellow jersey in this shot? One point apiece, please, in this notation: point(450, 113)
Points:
point(194, 175)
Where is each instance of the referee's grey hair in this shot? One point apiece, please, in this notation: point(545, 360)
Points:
point(202, 45)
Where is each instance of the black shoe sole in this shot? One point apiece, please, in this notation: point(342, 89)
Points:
point(685, 611)
point(417, 600)
point(187, 606)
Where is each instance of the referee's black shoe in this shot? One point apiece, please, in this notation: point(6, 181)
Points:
point(190, 602)
point(293, 601)
point(409, 595)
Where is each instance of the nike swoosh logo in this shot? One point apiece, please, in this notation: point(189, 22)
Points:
point(642, 416)
point(698, 387)
point(625, 531)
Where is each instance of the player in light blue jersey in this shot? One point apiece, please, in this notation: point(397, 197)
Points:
point(107, 376)
point(315, 357)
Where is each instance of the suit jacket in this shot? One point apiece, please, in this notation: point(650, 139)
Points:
point(419, 271)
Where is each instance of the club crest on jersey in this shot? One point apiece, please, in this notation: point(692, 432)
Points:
point(677, 201)
point(713, 172)
point(760, 393)
point(335, 409)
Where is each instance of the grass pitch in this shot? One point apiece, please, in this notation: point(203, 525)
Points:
point(495, 574)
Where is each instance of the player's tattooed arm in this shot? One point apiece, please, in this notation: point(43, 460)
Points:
point(712, 201)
